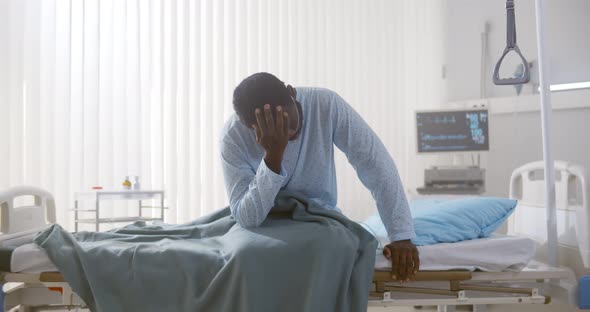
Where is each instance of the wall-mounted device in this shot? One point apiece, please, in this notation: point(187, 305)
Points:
point(453, 131)
point(453, 180)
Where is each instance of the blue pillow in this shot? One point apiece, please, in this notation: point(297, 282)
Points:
point(458, 220)
point(449, 221)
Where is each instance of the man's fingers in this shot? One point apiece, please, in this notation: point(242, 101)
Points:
point(279, 121)
point(270, 123)
point(394, 265)
point(403, 257)
point(387, 253)
point(405, 260)
point(258, 133)
point(260, 120)
point(286, 122)
point(409, 266)
point(413, 269)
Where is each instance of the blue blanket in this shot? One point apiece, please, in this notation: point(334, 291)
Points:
point(302, 258)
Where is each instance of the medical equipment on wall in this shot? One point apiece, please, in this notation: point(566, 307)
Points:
point(453, 131)
point(483, 58)
point(524, 76)
point(453, 180)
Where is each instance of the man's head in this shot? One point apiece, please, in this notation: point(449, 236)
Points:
point(263, 88)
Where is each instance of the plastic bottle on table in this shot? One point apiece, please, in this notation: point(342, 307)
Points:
point(127, 183)
point(136, 185)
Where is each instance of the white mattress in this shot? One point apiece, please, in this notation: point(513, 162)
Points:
point(30, 258)
point(495, 254)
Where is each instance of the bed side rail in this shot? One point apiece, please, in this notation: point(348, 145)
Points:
point(25, 218)
point(527, 185)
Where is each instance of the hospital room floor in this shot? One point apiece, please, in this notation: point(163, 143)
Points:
point(498, 308)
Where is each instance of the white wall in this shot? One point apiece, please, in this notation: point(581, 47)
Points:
point(568, 40)
point(515, 126)
point(515, 134)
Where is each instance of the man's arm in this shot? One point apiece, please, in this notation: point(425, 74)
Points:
point(252, 193)
point(375, 168)
point(377, 171)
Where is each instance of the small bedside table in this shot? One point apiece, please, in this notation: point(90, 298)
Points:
point(101, 195)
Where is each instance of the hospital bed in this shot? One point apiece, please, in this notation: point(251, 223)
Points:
point(463, 273)
point(535, 283)
point(18, 225)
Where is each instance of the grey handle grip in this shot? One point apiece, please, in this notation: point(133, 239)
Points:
point(511, 46)
point(524, 78)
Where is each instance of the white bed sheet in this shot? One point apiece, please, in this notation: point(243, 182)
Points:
point(30, 258)
point(498, 253)
point(494, 254)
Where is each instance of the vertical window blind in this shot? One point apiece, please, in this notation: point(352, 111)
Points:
point(94, 90)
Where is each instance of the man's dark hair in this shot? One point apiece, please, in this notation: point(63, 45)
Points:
point(257, 90)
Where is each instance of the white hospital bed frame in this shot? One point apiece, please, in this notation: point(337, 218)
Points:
point(18, 224)
point(446, 289)
point(536, 283)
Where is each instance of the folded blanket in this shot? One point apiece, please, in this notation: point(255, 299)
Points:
point(302, 258)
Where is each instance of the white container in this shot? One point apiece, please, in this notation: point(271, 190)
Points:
point(135, 185)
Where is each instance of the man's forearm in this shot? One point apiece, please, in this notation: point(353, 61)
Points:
point(255, 203)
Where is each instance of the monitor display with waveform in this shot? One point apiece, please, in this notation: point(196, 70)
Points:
point(453, 131)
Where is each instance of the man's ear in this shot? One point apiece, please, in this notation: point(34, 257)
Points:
point(292, 91)
point(244, 122)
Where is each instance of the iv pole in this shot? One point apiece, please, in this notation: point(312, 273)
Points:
point(544, 81)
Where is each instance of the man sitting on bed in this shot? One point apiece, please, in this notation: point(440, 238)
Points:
point(282, 138)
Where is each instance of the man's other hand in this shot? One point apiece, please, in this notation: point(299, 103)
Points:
point(272, 134)
point(405, 260)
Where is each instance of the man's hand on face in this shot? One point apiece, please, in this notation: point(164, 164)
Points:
point(405, 261)
point(272, 134)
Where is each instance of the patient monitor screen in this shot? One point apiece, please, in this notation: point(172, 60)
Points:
point(452, 131)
